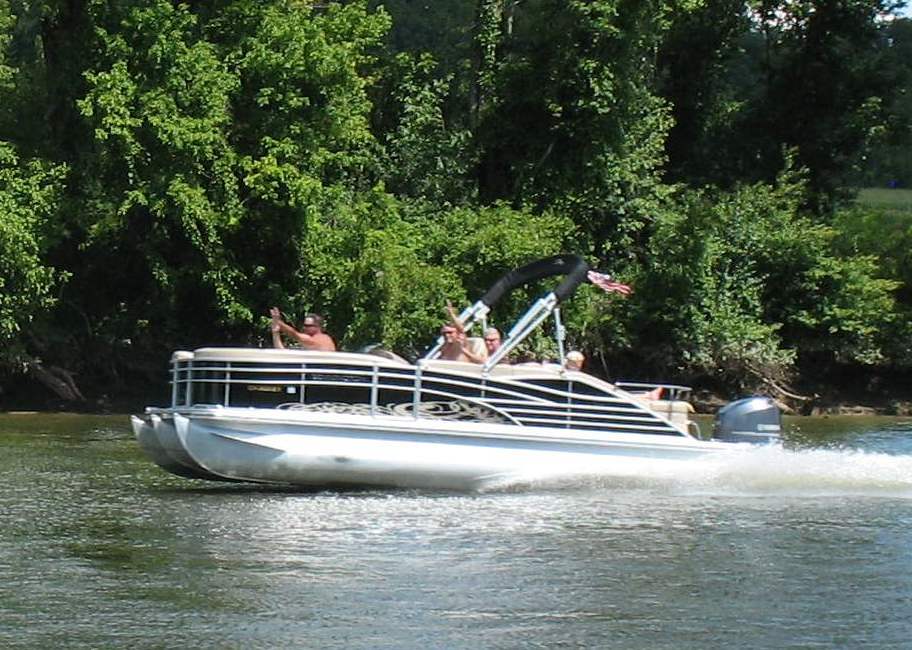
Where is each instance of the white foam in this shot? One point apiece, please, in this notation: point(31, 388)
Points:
point(811, 472)
point(752, 471)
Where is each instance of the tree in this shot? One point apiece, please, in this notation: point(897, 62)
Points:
point(887, 162)
point(739, 286)
point(574, 124)
point(827, 83)
point(428, 152)
point(708, 69)
point(221, 143)
point(190, 165)
point(751, 80)
point(29, 194)
point(408, 269)
point(28, 286)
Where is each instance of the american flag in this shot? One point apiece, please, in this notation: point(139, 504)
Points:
point(606, 283)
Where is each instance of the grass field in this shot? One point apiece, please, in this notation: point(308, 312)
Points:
point(885, 198)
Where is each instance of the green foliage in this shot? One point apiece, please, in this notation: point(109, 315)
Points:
point(735, 284)
point(15, 85)
point(428, 157)
point(708, 69)
point(308, 157)
point(885, 234)
point(576, 126)
point(6, 27)
point(28, 286)
point(747, 78)
point(208, 138)
point(827, 83)
point(887, 162)
point(699, 295)
point(410, 268)
point(441, 29)
point(187, 165)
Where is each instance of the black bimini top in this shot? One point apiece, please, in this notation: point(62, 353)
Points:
point(573, 267)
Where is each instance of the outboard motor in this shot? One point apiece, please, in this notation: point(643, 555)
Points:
point(752, 419)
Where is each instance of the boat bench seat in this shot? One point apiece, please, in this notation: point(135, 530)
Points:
point(678, 411)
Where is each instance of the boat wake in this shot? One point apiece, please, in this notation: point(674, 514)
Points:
point(755, 471)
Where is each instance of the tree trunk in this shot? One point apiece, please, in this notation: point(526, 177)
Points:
point(58, 380)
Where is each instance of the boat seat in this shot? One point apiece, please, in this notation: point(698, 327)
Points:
point(677, 411)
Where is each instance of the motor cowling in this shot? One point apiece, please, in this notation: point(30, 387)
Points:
point(751, 419)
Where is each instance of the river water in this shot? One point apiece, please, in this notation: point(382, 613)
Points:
point(808, 547)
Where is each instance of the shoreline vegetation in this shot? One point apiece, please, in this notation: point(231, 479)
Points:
point(170, 171)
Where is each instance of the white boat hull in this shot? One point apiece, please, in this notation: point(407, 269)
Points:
point(317, 449)
point(159, 440)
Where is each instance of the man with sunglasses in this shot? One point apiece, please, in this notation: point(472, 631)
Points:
point(456, 346)
point(311, 338)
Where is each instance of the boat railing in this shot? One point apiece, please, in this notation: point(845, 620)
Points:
point(212, 382)
point(376, 384)
point(670, 392)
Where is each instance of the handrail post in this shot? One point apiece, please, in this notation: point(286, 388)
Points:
point(301, 393)
point(174, 374)
point(416, 397)
point(188, 395)
point(375, 380)
point(227, 384)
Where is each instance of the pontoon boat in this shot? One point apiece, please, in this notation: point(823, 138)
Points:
point(295, 417)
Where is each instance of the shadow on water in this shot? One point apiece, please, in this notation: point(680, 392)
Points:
point(215, 490)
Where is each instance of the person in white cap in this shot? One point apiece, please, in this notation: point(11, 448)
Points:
point(575, 360)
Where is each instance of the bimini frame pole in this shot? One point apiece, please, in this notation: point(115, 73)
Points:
point(524, 326)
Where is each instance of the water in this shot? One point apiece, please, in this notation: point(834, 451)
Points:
point(805, 548)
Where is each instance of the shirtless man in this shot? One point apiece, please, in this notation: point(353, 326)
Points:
point(312, 338)
point(454, 341)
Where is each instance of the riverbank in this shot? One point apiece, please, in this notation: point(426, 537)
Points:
point(852, 394)
point(706, 404)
